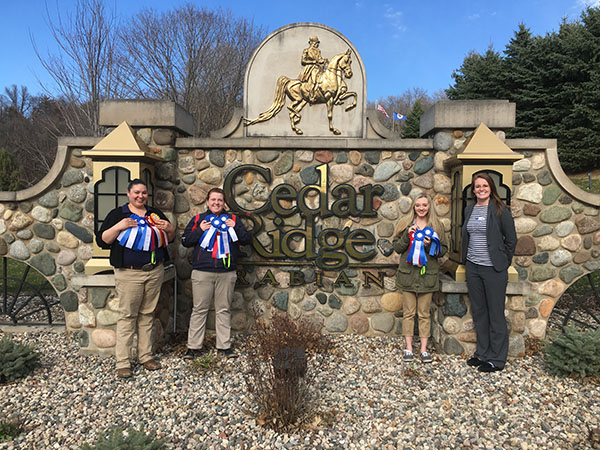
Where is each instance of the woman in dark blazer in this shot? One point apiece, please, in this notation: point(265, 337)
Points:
point(488, 245)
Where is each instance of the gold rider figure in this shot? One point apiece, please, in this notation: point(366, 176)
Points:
point(312, 61)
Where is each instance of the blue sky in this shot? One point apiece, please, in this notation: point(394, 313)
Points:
point(415, 43)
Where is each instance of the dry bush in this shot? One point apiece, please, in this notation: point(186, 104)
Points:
point(284, 358)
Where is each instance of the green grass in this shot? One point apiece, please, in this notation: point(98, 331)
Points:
point(16, 269)
point(10, 429)
point(582, 285)
point(581, 180)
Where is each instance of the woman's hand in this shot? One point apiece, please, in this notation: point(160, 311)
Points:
point(230, 223)
point(412, 229)
point(127, 222)
point(164, 225)
point(204, 225)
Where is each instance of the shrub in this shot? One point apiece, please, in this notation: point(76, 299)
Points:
point(130, 439)
point(279, 373)
point(16, 360)
point(10, 428)
point(573, 352)
point(204, 363)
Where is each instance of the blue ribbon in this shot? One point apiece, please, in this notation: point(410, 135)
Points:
point(416, 253)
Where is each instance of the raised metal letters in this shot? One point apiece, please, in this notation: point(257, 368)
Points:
point(331, 248)
point(319, 82)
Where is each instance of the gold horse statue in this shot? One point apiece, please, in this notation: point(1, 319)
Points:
point(330, 88)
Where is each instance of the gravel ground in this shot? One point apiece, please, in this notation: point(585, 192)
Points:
point(365, 397)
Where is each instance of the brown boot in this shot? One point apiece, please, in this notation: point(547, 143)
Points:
point(152, 364)
point(124, 372)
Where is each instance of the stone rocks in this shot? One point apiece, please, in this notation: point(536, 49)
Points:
point(386, 170)
point(44, 263)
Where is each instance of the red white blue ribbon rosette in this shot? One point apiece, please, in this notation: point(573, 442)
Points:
point(416, 254)
point(217, 238)
point(146, 236)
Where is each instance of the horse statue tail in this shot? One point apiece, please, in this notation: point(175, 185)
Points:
point(278, 103)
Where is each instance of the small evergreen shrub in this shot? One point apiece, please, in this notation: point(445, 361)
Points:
point(130, 439)
point(10, 428)
point(16, 360)
point(283, 357)
point(573, 352)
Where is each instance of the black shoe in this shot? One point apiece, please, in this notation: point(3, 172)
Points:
point(488, 367)
point(227, 353)
point(474, 362)
point(192, 353)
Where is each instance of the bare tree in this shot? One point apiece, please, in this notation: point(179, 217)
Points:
point(17, 99)
point(198, 59)
point(403, 103)
point(87, 68)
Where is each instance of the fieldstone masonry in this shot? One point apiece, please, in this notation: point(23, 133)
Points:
point(50, 226)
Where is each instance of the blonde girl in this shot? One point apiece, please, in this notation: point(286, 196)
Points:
point(418, 271)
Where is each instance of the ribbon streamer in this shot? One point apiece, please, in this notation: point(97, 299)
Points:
point(146, 236)
point(218, 237)
point(416, 254)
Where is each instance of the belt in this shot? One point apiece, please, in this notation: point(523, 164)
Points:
point(146, 267)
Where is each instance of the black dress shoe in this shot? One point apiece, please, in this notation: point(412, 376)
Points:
point(192, 353)
point(488, 367)
point(474, 362)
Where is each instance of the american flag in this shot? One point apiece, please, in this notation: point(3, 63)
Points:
point(381, 108)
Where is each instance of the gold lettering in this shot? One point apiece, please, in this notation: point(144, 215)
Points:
point(269, 278)
point(360, 237)
point(377, 280)
point(296, 278)
point(342, 279)
point(369, 191)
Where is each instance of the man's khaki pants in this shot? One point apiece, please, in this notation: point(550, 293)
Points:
point(207, 286)
point(138, 293)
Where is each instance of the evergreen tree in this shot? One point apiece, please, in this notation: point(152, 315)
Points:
point(479, 77)
point(554, 81)
point(411, 127)
point(9, 172)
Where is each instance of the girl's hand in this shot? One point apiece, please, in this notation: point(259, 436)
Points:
point(412, 229)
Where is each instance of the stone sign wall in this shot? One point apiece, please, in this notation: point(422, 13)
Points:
point(323, 209)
